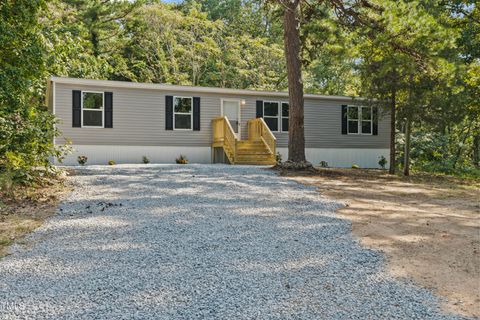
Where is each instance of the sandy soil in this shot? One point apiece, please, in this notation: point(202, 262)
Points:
point(429, 227)
point(26, 211)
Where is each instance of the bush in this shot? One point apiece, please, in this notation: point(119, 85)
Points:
point(324, 164)
point(26, 146)
point(355, 166)
point(278, 158)
point(382, 162)
point(82, 160)
point(111, 163)
point(181, 159)
point(145, 160)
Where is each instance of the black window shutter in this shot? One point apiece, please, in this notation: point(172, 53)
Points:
point(168, 112)
point(344, 119)
point(375, 121)
point(196, 113)
point(108, 110)
point(76, 108)
point(259, 109)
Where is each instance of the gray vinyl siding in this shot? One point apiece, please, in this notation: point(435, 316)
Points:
point(323, 126)
point(139, 119)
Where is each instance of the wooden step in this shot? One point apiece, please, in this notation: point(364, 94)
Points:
point(250, 144)
point(250, 141)
point(256, 146)
point(266, 163)
point(255, 156)
point(253, 159)
point(252, 148)
point(254, 151)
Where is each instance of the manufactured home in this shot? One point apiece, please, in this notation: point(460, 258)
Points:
point(124, 121)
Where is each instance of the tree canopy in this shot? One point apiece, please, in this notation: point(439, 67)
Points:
point(423, 54)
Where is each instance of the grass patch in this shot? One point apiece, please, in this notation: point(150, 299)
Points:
point(25, 208)
point(4, 241)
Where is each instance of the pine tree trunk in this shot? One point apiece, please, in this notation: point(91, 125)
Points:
point(296, 137)
point(406, 160)
point(95, 43)
point(476, 150)
point(393, 110)
point(458, 154)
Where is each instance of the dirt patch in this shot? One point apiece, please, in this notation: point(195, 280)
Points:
point(27, 210)
point(428, 226)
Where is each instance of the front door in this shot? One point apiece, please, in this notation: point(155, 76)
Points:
point(231, 110)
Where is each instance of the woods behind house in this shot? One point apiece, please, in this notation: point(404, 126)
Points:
point(419, 58)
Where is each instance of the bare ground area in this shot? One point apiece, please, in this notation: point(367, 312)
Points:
point(25, 209)
point(428, 226)
point(200, 242)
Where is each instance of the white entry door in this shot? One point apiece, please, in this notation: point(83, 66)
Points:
point(231, 110)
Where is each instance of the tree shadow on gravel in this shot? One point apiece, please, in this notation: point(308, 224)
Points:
point(194, 242)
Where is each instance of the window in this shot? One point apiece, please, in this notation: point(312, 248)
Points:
point(352, 118)
point(366, 120)
point(182, 113)
point(270, 115)
point(285, 110)
point(359, 120)
point(92, 109)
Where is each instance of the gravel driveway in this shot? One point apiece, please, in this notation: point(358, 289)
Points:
point(200, 242)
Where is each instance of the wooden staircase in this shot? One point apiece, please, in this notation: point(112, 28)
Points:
point(259, 149)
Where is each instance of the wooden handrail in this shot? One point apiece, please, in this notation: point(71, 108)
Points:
point(266, 130)
point(223, 135)
point(258, 130)
point(229, 127)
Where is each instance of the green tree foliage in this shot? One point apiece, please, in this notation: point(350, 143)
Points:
point(21, 47)
point(178, 47)
point(241, 17)
point(423, 54)
point(102, 21)
point(26, 127)
point(417, 60)
point(69, 52)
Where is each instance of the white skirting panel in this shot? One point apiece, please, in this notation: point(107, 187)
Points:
point(133, 154)
point(342, 157)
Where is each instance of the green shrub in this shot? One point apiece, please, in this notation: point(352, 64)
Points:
point(355, 166)
point(324, 164)
point(382, 162)
point(111, 163)
point(82, 160)
point(278, 158)
point(145, 160)
point(26, 146)
point(181, 159)
point(6, 183)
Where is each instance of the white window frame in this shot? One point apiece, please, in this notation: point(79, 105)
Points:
point(278, 117)
point(101, 110)
point(359, 121)
point(371, 121)
point(183, 113)
point(282, 117)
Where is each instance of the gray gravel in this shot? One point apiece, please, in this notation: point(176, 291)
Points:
point(200, 242)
